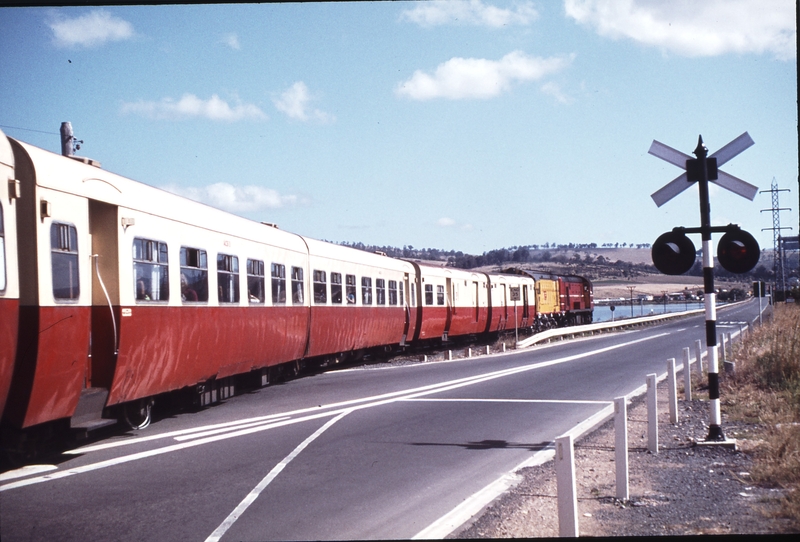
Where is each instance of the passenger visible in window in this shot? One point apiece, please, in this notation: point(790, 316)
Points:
point(187, 294)
point(142, 292)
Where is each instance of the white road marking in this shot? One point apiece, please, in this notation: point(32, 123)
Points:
point(253, 495)
point(27, 470)
point(344, 406)
point(555, 401)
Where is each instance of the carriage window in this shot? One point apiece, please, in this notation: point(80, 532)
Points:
point(278, 283)
point(2, 253)
point(392, 292)
point(255, 281)
point(440, 295)
point(366, 291)
point(194, 274)
point(228, 278)
point(350, 286)
point(297, 285)
point(429, 294)
point(150, 270)
point(64, 256)
point(321, 287)
point(380, 292)
point(336, 288)
point(400, 291)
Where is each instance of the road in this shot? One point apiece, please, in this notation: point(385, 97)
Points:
point(349, 454)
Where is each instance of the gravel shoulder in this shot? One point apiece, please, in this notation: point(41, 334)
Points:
point(684, 489)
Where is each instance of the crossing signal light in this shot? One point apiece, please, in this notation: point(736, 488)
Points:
point(738, 251)
point(673, 253)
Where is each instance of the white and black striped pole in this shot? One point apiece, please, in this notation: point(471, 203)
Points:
point(715, 418)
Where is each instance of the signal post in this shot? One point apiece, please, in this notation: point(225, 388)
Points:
point(674, 253)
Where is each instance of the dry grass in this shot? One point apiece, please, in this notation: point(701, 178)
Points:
point(766, 390)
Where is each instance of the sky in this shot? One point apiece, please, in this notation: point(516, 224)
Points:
point(458, 125)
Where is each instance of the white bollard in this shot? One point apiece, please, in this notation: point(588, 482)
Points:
point(730, 346)
point(469, 352)
point(565, 487)
point(687, 375)
point(621, 447)
point(652, 415)
point(672, 389)
point(449, 355)
point(504, 347)
point(721, 342)
point(488, 350)
point(698, 350)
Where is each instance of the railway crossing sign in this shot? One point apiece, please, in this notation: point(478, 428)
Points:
point(716, 176)
point(674, 254)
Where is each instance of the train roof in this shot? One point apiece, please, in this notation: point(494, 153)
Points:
point(324, 249)
point(73, 176)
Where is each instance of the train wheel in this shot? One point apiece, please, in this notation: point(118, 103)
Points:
point(138, 413)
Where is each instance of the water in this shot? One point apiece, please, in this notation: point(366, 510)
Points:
point(602, 313)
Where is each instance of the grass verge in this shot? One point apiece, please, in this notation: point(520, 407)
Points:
point(765, 389)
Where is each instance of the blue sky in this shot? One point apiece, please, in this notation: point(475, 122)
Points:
point(468, 125)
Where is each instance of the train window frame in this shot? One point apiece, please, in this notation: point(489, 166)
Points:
point(336, 288)
point(3, 276)
point(64, 252)
point(227, 278)
point(366, 290)
point(255, 282)
point(194, 275)
point(350, 288)
point(392, 292)
point(278, 274)
point(320, 287)
point(440, 294)
point(380, 292)
point(400, 292)
point(429, 294)
point(298, 293)
point(150, 270)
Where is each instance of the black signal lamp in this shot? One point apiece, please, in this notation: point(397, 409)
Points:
point(673, 253)
point(738, 251)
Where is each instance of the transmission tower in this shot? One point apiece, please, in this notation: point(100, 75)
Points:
point(779, 263)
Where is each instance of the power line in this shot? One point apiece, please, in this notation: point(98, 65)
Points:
point(28, 130)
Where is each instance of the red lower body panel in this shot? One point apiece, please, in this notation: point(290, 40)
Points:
point(168, 348)
point(9, 317)
point(51, 364)
point(343, 329)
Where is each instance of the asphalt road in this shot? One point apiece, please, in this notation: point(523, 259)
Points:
point(349, 454)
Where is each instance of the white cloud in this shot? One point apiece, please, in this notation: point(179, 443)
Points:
point(93, 29)
point(231, 40)
point(692, 28)
point(190, 106)
point(474, 13)
point(554, 90)
point(235, 199)
point(464, 78)
point(446, 222)
point(295, 103)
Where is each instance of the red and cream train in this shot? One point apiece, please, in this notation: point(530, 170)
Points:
point(113, 292)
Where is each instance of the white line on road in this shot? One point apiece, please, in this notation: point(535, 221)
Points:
point(253, 495)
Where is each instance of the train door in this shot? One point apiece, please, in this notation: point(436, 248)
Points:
point(105, 298)
point(505, 303)
point(525, 313)
point(450, 305)
point(476, 289)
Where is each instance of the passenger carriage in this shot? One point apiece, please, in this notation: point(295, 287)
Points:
point(359, 300)
point(512, 302)
point(451, 302)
